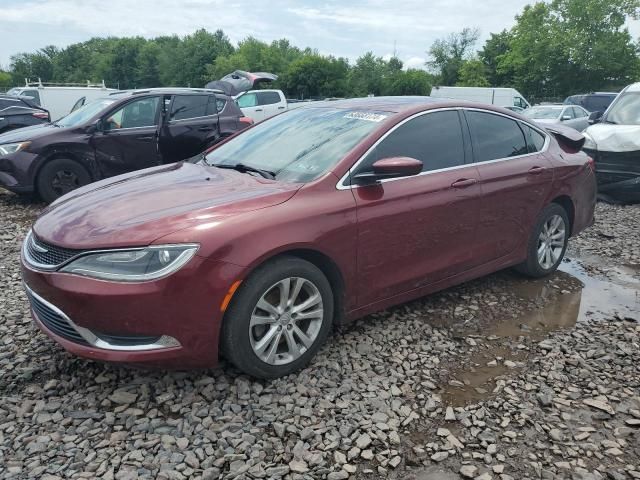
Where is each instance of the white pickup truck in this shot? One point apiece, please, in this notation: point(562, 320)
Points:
point(261, 104)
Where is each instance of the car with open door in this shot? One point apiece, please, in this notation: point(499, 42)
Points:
point(309, 220)
point(118, 133)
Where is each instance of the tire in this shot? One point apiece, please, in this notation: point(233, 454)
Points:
point(537, 266)
point(60, 176)
point(247, 328)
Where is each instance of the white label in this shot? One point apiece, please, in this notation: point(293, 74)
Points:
point(369, 117)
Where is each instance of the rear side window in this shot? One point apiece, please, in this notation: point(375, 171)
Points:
point(189, 106)
point(268, 98)
point(434, 138)
point(31, 94)
point(535, 140)
point(495, 137)
point(598, 103)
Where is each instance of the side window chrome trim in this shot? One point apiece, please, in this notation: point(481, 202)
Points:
point(341, 183)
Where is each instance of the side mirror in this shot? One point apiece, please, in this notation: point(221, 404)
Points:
point(595, 117)
point(393, 167)
point(94, 127)
point(564, 118)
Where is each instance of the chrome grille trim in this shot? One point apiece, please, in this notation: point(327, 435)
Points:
point(64, 327)
point(44, 256)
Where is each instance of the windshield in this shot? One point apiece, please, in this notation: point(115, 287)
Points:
point(301, 145)
point(14, 92)
point(543, 112)
point(84, 113)
point(625, 110)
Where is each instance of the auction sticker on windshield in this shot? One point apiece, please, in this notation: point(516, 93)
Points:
point(371, 117)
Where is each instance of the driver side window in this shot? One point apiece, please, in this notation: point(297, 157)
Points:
point(136, 114)
point(433, 138)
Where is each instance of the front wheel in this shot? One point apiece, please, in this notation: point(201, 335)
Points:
point(60, 176)
point(548, 242)
point(278, 319)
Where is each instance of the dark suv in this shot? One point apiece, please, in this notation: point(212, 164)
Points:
point(18, 112)
point(119, 133)
point(592, 102)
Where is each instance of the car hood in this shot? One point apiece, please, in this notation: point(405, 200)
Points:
point(28, 133)
point(615, 138)
point(136, 209)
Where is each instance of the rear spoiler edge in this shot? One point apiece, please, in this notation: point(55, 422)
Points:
point(566, 135)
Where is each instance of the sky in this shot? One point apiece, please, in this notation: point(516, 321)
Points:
point(345, 28)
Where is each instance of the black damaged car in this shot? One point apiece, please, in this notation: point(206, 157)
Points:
point(122, 132)
point(18, 112)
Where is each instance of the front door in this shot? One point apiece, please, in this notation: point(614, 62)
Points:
point(516, 179)
point(128, 139)
point(417, 230)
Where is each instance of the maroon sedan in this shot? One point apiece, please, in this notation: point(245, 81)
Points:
point(313, 218)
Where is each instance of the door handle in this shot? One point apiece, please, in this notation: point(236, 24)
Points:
point(258, 110)
point(464, 183)
point(147, 139)
point(280, 108)
point(536, 170)
point(205, 129)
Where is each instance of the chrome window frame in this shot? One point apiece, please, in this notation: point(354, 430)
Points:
point(341, 183)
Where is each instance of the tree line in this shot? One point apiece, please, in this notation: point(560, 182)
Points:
point(554, 49)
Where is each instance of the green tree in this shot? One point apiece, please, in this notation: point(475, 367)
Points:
point(448, 54)
point(493, 50)
point(473, 73)
point(5, 80)
point(410, 82)
point(147, 69)
point(570, 46)
point(34, 65)
point(368, 75)
point(315, 76)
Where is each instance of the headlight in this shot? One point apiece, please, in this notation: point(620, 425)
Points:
point(8, 148)
point(134, 265)
point(588, 142)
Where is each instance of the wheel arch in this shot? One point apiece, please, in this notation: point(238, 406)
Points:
point(565, 202)
point(327, 266)
point(55, 155)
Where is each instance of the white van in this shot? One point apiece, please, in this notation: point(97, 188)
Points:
point(501, 97)
point(60, 98)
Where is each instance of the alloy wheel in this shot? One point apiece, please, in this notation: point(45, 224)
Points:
point(286, 321)
point(551, 241)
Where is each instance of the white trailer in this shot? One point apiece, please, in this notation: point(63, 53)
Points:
point(501, 97)
point(60, 98)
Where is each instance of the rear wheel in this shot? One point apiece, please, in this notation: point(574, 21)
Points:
point(60, 176)
point(548, 242)
point(279, 318)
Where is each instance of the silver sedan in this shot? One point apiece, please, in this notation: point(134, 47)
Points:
point(572, 116)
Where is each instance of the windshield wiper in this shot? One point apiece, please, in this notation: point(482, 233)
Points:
point(241, 167)
point(610, 121)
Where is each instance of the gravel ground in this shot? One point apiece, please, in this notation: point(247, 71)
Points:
point(492, 379)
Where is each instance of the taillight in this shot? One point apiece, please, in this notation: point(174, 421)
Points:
point(592, 164)
point(42, 115)
point(246, 120)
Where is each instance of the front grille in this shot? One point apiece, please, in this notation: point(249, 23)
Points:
point(55, 322)
point(47, 254)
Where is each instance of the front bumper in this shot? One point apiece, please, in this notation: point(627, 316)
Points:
point(173, 322)
point(16, 172)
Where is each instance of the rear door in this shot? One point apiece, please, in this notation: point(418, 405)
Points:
point(190, 127)
point(270, 102)
point(414, 231)
point(515, 176)
point(128, 139)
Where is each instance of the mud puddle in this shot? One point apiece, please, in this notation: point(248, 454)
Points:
point(611, 293)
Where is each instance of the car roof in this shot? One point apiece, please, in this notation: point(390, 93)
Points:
point(166, 91)
point(383, 104)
